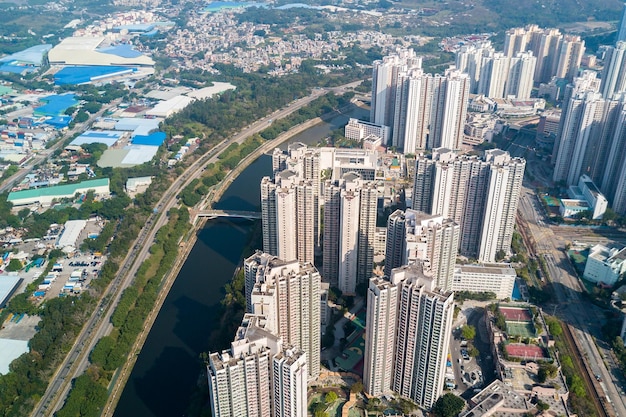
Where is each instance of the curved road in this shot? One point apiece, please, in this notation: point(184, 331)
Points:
point(99, 324)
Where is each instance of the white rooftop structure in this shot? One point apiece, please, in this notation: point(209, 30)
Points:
point(168, 107)
point(208, 92)
point(71, 232)
point(138, 126)
point(9, 351)
point(605, 265)
point(82, 51)
point(481, 278)
point(8, 284)
point(132, 184)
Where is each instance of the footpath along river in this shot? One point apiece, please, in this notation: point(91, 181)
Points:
point(167, 369)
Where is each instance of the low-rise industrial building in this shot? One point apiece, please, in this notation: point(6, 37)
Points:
point(46, 195)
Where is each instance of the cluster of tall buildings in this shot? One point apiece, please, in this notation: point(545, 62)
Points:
point(408, 327)
point(322, 204)
point(480, 195)
point(291, 207)
point(592, 130)
point(276, 350)
point(422, 111)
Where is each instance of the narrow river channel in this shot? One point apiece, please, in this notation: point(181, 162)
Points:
point(167, 369)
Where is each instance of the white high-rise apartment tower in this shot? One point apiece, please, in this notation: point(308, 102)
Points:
point(423, 238)
point(381, 322)
point(412, 113)
point(571, 51)
point(306, 162)
point(384, 84)
point(557, 54)
point(349, 228)
point(424, 324)
point(519, 83)
point(449, 109)
point(614, 72)
point(494, 72)
point(288, 213)
point(464, 189)
point(287, 294)
point(469, 60)
point(582, 127)
point(430, 110)
point(258, 376)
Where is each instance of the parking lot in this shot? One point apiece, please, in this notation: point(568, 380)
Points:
point(470, 374)
point(71, 275)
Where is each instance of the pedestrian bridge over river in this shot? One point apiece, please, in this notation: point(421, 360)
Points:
point(214, 214)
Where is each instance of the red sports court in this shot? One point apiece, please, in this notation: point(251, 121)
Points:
point(520, 350)
point(516, 314)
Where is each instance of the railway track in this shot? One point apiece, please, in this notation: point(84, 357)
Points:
point(592, 386)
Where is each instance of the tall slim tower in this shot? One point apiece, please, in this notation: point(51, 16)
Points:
point(395, 244)
point(290, 380)
point(287, 294)
point(288, 213)
point(493, 75)
point(469, 60)
point(505, 185)
point(462, 188)
point(305, 162)
point(349, 229)
point(579, 122)
point(519, 83)
point(449, 109)
point(414, 237)
point(422, 337)
point(614, 72)
point(381, 322)
point(413, 110)
point(571, 51)
point(621, 29)
point(385, 82)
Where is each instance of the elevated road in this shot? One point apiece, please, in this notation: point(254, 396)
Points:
point(99, 324)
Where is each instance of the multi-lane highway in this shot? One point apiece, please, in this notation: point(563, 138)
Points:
point(99, 325)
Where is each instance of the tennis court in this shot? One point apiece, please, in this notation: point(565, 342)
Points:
point(519, 350)
point(516, 314)
point(520, 329)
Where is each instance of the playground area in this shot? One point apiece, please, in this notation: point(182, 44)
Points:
point(526, 352)
point(351, 358)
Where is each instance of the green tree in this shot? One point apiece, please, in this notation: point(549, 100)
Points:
point(542, 406)
point(468, 332)
point(357, 387)
point(81, 117)
point(448, 405)
point(473, 352)
point(331, 397)
point(15, 265)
